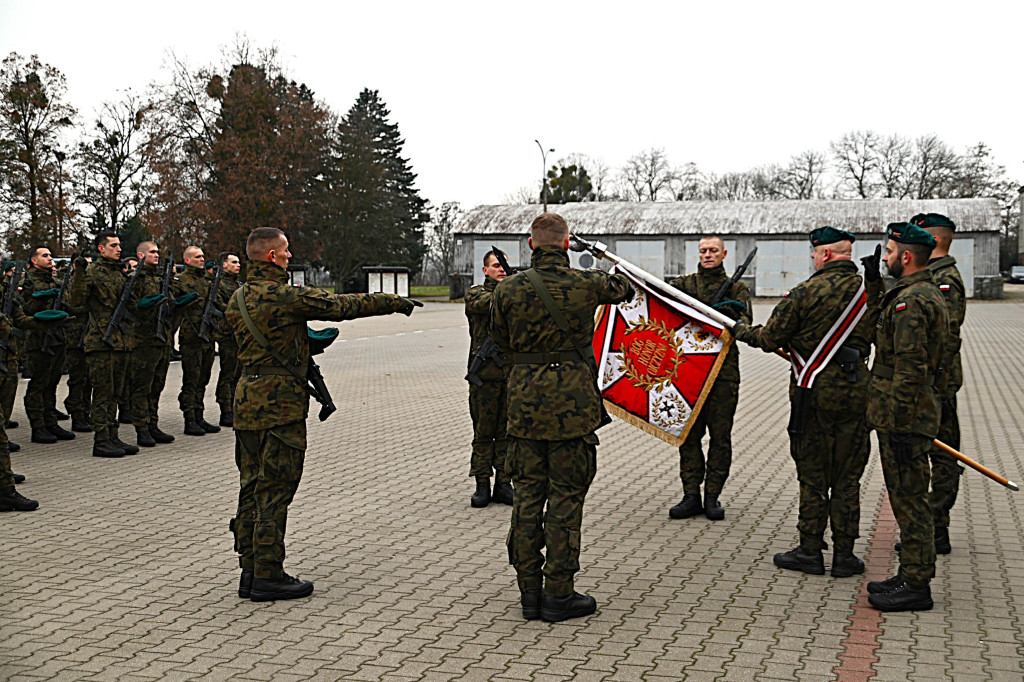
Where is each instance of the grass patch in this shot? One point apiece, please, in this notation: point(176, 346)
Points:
point(428, 291)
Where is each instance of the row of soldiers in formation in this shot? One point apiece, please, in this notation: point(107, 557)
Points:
point(115, 346)
point(827, 323)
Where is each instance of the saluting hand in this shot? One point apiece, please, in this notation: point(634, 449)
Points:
point(871, 265)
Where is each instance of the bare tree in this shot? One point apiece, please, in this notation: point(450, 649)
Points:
point(802, 177)
point(522, 196)
point(687, 183)
point(894, 158)
point(439, 239)
point(648, 175)
point(933, 165)
point(856, 157)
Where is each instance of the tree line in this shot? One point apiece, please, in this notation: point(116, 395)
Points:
point(202, 156)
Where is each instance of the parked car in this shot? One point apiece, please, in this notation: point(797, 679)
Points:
point(1016, 274)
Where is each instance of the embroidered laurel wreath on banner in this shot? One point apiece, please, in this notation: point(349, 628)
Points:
point(651, 354)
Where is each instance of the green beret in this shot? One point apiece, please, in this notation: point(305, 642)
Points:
point(151, 300)
point(46, 293)
point(51, 315)
point(908, 233)
point(927, 220)
point(830, 235)
point(186, 299)
point(320, 340)
point(9, 264)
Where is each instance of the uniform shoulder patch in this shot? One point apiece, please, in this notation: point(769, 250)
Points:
point(785, 295)
point(943, 287)
point(901, 306)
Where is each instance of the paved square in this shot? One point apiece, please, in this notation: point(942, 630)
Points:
point(126, 571)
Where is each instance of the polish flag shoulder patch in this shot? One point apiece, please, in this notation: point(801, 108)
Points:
point(943, 287)
point(901, 306)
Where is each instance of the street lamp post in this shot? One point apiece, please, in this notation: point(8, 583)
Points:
point(544, 173)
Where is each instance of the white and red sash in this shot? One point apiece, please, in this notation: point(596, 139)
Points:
point(806, 371)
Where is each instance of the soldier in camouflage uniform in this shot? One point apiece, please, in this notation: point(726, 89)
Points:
point(271, 403)
point(227, 379)
point(124, 401)
point(719, 409)
point(78, 402)
point(98, 287)
point(829, 436)
point(904, 408)
point(9, 380)
point(39, 292)
point(196, 354)
point(544, 319)
point(487, 401)
point(152, 355)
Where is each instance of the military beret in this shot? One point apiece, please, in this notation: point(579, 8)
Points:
point(927, 220)
point(830, 235)
point(151, 300)
point(46, 293)
point(9, 264)
point(319, 340)
point(908, 233)
point(186, 299)
point(51, 315)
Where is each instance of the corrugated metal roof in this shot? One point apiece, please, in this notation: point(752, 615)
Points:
point(731, 217)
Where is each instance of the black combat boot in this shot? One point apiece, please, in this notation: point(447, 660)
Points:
point(11, 424)
point(887, 585)
point(12, 446)
point(227, 418)
point(19, 479)
point(61, 417)
point(159, 436)
point(12, 500)
point(81, 424)
point(128, 449)
point(482, 496)
point(43, 435)
point(903, 597)
point(688, 506)
point(799, 559)
point(502, 492)
point(285, 587)
point(245, 584)
point(557, 609)
point(191, 427)
point(60, 433)
point(713, 508)
point(205, 425)
point(845, 564)
point(530, 601)
point(144, 438)
point(106, 449)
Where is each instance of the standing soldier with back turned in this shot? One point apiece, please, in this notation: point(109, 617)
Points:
point(487, 393)
point(544, 319)
point(719, 409)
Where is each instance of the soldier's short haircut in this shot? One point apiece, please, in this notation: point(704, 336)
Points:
point(943, 235)
point(261, 240)
point(103, 237)
point(144, 247)
point(487, 257)
point(841, 248)
point(920, 253)
point(35, 251)
point(713, 236)
point(549, 229)
point(190, 251)
point(224, 256)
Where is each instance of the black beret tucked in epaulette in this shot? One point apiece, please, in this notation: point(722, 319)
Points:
point(908, 233)
point(927, 220)
point(830, 235)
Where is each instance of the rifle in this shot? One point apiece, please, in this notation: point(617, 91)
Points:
point(503, 261)
point(121, 313)
point(165, 305)
point(726, 287)
point(58, 304)
point(488, 351)
point(318, 388)
point(210, 310)
point(8, 308)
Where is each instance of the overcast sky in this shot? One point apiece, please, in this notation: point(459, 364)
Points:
point(727, 85)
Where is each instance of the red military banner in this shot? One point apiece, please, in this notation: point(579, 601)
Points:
point(657, 357)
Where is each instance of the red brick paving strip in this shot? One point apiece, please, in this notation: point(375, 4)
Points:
point(858, 656)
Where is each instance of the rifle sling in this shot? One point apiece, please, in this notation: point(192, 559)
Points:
point(559, 318)
point(263, 343)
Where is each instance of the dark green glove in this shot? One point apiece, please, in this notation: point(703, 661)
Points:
point(46, 293)
point(900, 442)
point(150, 301)
point(407, 305)
point(871, 264)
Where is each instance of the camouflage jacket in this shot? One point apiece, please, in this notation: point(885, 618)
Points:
point(702, 285)
point(910, 338)
point(149, 283)
point(280, 311)
point(478, 312)
point(98, 288)
point(19, 320)
point(951, 286)
point(552, 401)
point(36, 280)
point(807, 312)
point(192, 280)
point(228, 284)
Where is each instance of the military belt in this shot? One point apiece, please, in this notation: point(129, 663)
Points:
point(884, 372)
point(265, 370)
point(549, 358)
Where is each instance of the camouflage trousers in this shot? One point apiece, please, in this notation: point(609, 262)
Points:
point(9, 388)
point(196, 366)
point(149, 374)
point(269, 465)
point(227, 378)
point(946, 470)
point(830, 458)
point(487, 407)
point(557, 473)
point(907, 483)
point(79, 400)
point(107, 370)
point(41, 393)
point(715, 418)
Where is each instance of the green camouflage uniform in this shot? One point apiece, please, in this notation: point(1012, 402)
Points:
point(227, 379)
point(45, 369)
point(910, 340)
point(196, 354)
point(7, 325)
point(271, 405)
point(151, 356)
point(946, 470)
point(554, 408)
point(9, 380)
point(487, 402)
point(98, 289)
point(78, 402)
point(719, 409)
point(833, 450)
